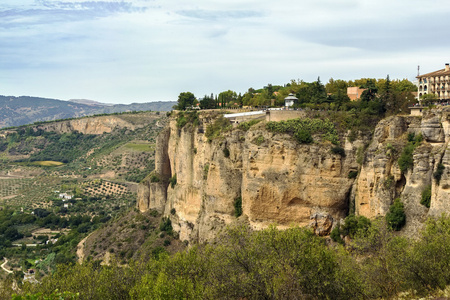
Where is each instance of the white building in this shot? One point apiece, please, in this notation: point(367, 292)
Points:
point(436, 82)
point(290, 100)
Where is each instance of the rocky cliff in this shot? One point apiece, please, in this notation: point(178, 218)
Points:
point(281, 181)
point(100, 124)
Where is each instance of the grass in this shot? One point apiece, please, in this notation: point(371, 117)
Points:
point(41, 163)
point(140, 147)
point(47, 163)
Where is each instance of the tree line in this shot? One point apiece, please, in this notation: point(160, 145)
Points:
point(273, 264)
point(380, 95)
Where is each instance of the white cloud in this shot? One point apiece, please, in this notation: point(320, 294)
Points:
point(125, 51)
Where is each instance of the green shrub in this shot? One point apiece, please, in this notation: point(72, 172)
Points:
point(303, 128)
point(426, 197)
point(439, 171)
point(388, 182)
point(303, 137)
point(226, 152)
point(259, 140)
point(173, 181)
point(355, 225)
point(184, 118)
point(238, 207)
point(405, 160)
point(336, 235)
point(181, 120)
point(154, 178)
point(166, 225)
point(245, 126)
point(338, 150)
point(220, 125)
point(352, 174)
point(205, 171)
point(173, 211)
point(396, 217)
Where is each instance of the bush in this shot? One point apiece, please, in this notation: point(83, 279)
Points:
point(438, 174)
point(396, 217)
point(154, 178)
point(338, 150)
point(205, 171)
point(238, 207)
point(246, 125)
point(214, 130)
point(352, 174)
point(355, 225)
point(336, 234)
point(166, 225)
point(303, 128)
point(405, 160)
point(259, 140)
point(173, 181)
point(426, 197)
point(226, 152)
point(388, 182)
point(303, 137)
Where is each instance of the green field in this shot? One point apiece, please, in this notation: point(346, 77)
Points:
point(140, 147)
point(47, 163)
point(40, 163)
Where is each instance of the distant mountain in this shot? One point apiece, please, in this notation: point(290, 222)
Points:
point(90, 102)
point(16, 111)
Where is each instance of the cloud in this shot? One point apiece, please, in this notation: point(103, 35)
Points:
point(211, 15)
point(48, 12)
point(141, 50)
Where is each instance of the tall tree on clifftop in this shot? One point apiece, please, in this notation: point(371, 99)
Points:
point(185, 99)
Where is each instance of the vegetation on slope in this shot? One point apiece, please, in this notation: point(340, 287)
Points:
point(17, 111)
point(273, 264)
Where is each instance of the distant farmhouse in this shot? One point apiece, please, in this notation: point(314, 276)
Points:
point(436, 82)
point(354, 93)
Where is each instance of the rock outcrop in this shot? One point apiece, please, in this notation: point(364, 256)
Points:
point(278, 180)
point(282, 182)
point(99, 124)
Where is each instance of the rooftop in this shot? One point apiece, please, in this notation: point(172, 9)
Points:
point(445, 71)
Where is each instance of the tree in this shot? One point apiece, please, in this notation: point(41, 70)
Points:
point(396, 217)
point(227, 98)
point(428, 99)
point(371, 90)
point(207, 103)
point(185, 100)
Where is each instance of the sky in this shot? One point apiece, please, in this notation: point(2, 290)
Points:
point(124, 51)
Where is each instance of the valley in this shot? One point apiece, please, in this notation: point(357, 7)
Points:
point(190, 199)
point(60, 181)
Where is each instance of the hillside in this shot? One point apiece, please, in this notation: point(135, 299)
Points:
point(17, 111)
point(61, 180)
point(302, 207)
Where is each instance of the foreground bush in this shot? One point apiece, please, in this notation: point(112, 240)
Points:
point(274, 264)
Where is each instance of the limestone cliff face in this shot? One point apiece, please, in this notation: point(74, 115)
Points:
point(278, 180)
point(380, 179)
point(282, 182)
point(98, 124)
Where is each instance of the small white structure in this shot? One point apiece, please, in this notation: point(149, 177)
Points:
point(290, 100)
point(65, 196)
